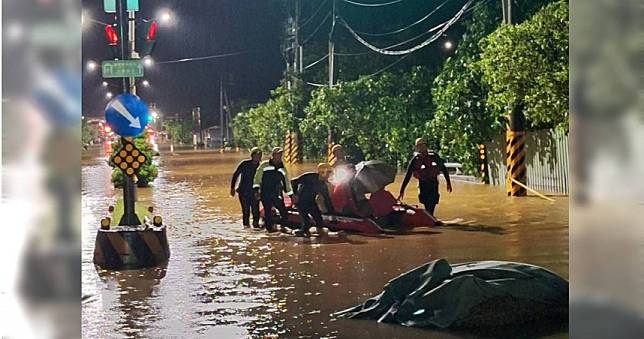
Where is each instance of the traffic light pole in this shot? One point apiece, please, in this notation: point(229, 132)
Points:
point(129, 217)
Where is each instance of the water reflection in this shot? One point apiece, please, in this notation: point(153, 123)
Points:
point(225, 281)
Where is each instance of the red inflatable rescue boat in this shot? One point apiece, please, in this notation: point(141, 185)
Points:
point(402, 218)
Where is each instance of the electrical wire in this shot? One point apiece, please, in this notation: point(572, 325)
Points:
point(389, 66)
point(308, 20)
point(316, 29)
point(316, 62)
point(433, 38)
point(372, 5)
point(469, 10)
point(216, 56)
point(408, 26)
point(316, 85)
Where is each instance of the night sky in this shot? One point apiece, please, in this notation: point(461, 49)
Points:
point(209, 27)
point(200, 28)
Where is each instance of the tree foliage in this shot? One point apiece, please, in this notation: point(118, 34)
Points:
point(463, 119)
point(527, 65)
point(266, 125)
point(373, 117)
point(179, 131)
point(88, 133)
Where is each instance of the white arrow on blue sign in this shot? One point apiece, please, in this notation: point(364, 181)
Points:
point(127, 115)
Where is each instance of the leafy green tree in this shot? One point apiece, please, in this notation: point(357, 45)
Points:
point(463, 119)
point(373, 117)
point(179, 131)
point(526, 65)
point(88, 133)
point(266, 125)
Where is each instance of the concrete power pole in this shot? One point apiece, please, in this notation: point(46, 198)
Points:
point(221, 112)
point(330, 142)
point(515, 134)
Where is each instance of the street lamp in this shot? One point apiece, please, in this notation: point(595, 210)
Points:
point(148, 62)
point(91, 66)
point(104, 84)
point(108, 95)
point(145, 83)
point(448, 44)
point(166, 17)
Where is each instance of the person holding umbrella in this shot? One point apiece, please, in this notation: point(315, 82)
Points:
point(271, 178)
point(372, 177)
point(246, 169)
point(426, 166)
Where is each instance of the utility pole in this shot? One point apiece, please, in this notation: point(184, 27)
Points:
point(332, 47)
point(331, 76)
point(515, 134)
point(221, 111)
point(296, 39)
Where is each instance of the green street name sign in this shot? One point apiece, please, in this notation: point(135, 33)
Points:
point(122, 68)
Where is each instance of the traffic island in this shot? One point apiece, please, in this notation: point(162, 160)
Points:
point(127, 247)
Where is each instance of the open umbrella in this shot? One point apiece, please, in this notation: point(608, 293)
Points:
point(373, 175)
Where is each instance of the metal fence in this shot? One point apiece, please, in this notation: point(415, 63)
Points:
point(546, 161)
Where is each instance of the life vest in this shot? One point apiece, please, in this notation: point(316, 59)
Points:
point(426, 166)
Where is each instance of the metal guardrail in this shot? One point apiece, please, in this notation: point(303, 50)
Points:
point(546, 162)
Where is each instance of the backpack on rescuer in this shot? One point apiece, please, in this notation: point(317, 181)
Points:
point(426, 166)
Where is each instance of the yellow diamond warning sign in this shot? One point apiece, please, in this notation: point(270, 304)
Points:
point(129, 159)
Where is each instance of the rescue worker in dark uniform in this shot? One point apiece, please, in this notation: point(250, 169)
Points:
point(425, 166)
point(271, 179)
point(307, 186)
point(246, 169)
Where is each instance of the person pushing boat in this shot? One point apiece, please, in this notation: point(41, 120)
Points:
point(271, 179)
point(306, 187)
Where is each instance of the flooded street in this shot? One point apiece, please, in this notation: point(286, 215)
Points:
point(226, 281)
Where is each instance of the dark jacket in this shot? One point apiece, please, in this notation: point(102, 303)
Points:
point(246, 169)
point(271, 179)
point(413, 166)
point(308, 185)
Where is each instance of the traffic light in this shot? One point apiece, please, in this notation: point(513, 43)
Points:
point(112, 38)
point(111, 35)
point(146, 32)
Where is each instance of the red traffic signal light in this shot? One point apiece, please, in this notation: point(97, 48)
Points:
point(110, 34)
point(152, 31)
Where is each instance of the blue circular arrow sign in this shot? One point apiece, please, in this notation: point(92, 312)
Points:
point(127, 115)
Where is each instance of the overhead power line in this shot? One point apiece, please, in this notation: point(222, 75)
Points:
point(408, 26)
point(216, 56)
point(315, 13)
point(316, 29)
point(389, 66)
point(468, 11)
point(372, 5)
point(317, 61)
point(431, 39)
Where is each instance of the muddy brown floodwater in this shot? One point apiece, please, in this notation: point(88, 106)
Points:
point(225, 281)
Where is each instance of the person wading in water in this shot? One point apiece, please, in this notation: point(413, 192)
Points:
point(425, 166)
point(246, 169)
point(271, 179)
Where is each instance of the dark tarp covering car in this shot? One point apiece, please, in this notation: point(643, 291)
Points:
point(475, 294)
